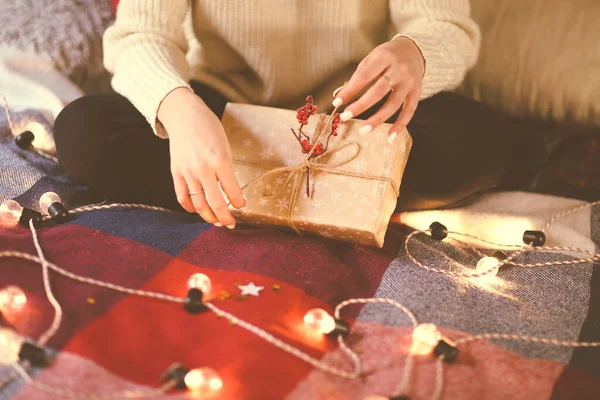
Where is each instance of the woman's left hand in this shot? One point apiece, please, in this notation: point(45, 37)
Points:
point(395, 66)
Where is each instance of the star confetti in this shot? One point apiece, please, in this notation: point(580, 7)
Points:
point(250, 289)
point(276, 288)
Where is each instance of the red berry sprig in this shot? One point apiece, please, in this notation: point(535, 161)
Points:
point(335, 124)
point(304, 112)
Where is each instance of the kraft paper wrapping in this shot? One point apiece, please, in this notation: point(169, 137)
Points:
point(349, 208)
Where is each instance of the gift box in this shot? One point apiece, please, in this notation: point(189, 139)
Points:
point(346, 188)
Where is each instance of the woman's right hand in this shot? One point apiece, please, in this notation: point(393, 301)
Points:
point(200, 158)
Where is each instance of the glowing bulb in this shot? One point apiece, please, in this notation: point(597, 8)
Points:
point(10, 213)
point(201, 282)
point(319, 320)
point(425, 338)
point(12, 298)
point(487, 263)
point(48, 199)
point(10, 346)
point(203, 379)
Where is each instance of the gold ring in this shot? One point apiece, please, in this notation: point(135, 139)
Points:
point(389, 81)
point(196, 192)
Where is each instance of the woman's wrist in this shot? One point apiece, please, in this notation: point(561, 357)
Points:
point(174, 103)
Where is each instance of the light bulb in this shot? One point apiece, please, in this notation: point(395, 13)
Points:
point(48, 199)
point(319, 320)
point(12, 299)
point(201, 282)
point(10, 213)
point(425, 338)
point(203, 379)
point(487, 263)
point(10, 346)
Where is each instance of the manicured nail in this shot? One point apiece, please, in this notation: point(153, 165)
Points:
point(346, 115)
point(337, 102)
point(231, 226)
point(392, 137)
point(335, 92)
point(218, 224)
point(365, 129)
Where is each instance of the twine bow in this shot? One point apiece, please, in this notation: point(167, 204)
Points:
point(295, 172)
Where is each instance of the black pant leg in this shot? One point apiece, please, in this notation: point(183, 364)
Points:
point(461, 148)
point(104, 142)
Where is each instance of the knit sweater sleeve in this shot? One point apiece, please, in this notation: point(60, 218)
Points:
point(145, 51)
point(446, 36)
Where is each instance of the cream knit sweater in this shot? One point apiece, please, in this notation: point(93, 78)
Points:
point(275, 52)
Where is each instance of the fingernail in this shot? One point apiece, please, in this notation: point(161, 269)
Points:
point(218, 224)
point(335, 92)
point(231, 226)
point(392, 137)
point(346, 115)
point(365, 129)
point(337, 102)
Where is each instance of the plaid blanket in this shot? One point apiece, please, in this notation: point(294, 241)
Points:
point(111, 342)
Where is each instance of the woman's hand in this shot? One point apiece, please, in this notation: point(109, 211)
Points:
point(200, 158)
point(395, 66)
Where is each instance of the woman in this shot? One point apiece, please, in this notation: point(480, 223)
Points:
point(392, 59)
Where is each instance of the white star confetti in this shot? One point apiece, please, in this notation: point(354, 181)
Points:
point(247, 143)
point(279, 181)
point(317, 204)
point(358, 213)
point(387, 150)
point(250, 289)
point(336, 196)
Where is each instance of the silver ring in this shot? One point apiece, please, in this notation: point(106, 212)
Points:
point(196, 192)
point(389, 81)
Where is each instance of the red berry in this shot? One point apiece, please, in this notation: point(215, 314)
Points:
point(334, 125)
point(307, 106)
point(309, 99)
point(334, 133)
point(314, 109)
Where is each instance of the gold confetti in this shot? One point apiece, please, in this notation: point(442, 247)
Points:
point(91, 300)
point(276, 288)
point(241, 297)
point(219, 315)
point(232, 322)
point(224, 295)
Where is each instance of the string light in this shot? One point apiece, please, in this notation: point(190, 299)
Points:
point(490, 263)
point(320, 321)
point(50, 202)
point(201, 282)
point(12, 213)
point(10, 345)
point(438, 231)
point(199, 285)
point(203, 380)
point(444, 350)
point(24, 139)
point(534, 238)
point(424, 339)
point(12, 299)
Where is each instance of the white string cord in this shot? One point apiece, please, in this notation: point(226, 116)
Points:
point(7, 112)
point(57, 308)
point(439, 379)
